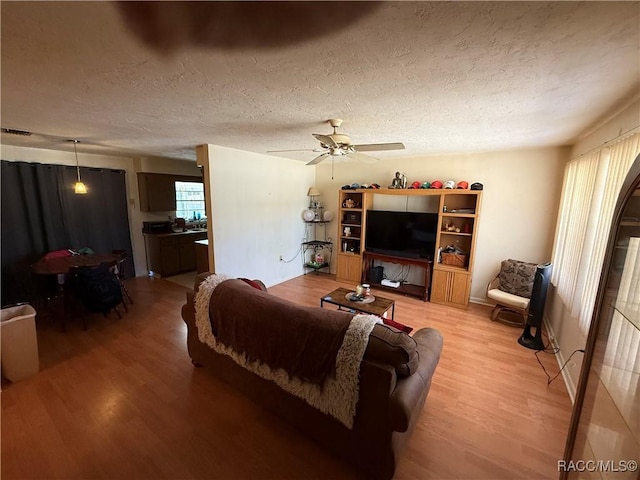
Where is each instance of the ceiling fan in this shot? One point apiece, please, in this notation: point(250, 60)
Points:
point(339, 144)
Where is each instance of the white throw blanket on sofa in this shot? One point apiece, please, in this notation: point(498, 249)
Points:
point(338, 397)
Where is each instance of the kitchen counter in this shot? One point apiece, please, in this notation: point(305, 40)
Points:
point(172, 253)
point(202, 255)
point(199, 231)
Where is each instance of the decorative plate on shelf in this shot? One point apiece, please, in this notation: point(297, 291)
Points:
point(327, 216)
point(308, 215)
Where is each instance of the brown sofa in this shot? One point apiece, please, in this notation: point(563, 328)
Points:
point(395, 376)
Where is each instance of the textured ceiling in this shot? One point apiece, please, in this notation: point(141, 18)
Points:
point(441, 77)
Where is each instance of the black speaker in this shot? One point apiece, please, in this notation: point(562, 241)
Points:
point(376, 274)
point(536, 309)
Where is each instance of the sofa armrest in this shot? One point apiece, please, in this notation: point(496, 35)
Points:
point(408, 397)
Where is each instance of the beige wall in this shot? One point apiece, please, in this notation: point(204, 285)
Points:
point(257, 202)
point(563, 327)
point(619, 122)
point(130, 165)
point(519, 205)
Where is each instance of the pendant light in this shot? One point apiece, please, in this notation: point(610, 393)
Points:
point(79, 188)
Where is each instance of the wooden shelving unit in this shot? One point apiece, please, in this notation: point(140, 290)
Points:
point(459, 209)
point(449, 284)
point(352, 225)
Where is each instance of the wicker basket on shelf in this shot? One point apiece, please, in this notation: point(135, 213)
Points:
point(453, 259)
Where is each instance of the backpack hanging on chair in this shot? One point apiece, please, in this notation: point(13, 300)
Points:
point(98, 288)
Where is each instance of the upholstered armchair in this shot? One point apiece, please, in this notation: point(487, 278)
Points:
point(511, 291)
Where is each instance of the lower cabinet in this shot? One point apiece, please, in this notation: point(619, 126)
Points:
point(451, 288)
point(348, 268)
point(172, 254)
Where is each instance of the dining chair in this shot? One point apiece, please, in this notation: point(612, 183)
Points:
point(119, 272)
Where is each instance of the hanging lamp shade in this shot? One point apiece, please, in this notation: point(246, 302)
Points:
point(79, 188)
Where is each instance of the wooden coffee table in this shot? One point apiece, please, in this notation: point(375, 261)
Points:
point(378, 307)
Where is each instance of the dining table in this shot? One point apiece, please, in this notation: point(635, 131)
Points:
point(62, 266)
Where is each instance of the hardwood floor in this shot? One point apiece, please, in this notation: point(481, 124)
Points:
point(121, 400)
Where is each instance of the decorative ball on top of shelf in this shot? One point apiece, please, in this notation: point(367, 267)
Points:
point(327, 216)
point(308, 215)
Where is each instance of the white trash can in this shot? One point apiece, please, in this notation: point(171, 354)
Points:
point(19, 343)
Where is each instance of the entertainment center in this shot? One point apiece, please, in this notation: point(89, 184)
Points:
point(442, 242)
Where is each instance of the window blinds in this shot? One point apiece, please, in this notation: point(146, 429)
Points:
point(590, 191)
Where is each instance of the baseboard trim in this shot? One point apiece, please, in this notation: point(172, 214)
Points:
point(481, 301)
point(568, 381)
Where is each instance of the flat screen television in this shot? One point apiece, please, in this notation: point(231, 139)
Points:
point(401, 234)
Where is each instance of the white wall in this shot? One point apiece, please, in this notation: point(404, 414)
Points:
point(519, 204)
point(130, 165)
point(563, 326)
point(257, 201)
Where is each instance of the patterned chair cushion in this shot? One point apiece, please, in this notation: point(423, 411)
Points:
point(517, 277)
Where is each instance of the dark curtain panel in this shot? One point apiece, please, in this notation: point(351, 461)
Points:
point(40, 213)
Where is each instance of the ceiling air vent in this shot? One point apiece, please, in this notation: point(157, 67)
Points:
point(12, 131)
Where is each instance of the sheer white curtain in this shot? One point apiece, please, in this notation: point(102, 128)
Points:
point(591, 188)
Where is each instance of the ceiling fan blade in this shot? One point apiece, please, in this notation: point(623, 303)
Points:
point(318, 159)
point(295, 150)
point(377, 147)
point(361, 157)
point(325, 140)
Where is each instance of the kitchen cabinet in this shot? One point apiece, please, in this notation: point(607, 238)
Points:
point(202, 256)
point(172, 253)
point(158, 190)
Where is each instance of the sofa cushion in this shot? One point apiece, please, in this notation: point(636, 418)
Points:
point(508, 299)
point(517, 277)
point(392, 347)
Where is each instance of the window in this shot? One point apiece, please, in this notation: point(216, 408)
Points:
point(190, 200)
